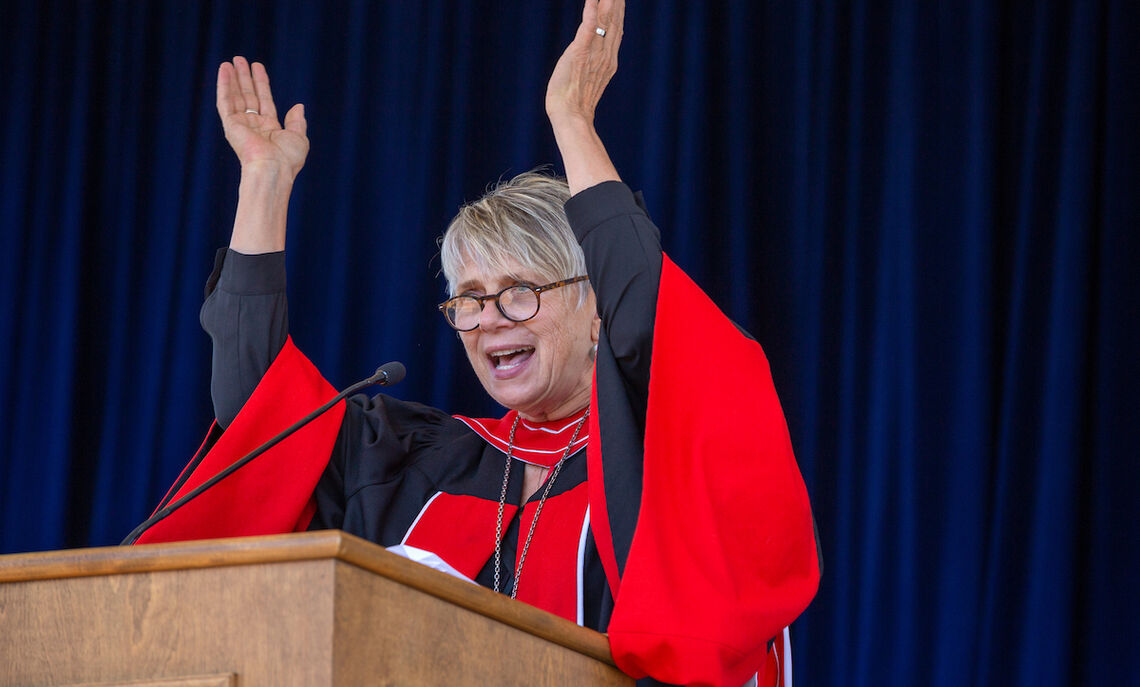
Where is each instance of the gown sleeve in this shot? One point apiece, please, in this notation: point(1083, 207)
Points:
point(270, 495)
point(247, 317)
point(697, 505)
point(260, 384)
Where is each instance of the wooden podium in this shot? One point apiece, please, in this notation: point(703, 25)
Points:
point(311, 609)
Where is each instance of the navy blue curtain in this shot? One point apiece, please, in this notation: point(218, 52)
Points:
point(926, 212)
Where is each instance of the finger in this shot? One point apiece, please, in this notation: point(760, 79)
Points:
point(587, 30)
point(589, 16)
point(618, 17)
point(610, 15)
point(245, 84)
point(589, 11)
point(264, 95)
point(230, 100)
point(295, 120)
point(604, 11)
point(226, 82)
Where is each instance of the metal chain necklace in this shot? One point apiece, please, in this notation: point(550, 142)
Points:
point(537, 511)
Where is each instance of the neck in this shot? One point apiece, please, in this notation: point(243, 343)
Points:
point(572, 405)
point(561, 413)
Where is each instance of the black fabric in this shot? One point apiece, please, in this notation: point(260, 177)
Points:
point(247, 317)
point(391, 456)
point(623, 255)
point(623, 258)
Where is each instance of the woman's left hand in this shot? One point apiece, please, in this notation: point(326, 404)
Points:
point(576, 86)
point(587, 65)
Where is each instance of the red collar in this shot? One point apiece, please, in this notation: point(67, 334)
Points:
point(537, 443)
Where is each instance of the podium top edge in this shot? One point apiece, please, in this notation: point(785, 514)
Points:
point(298, 547)
point(205, 553)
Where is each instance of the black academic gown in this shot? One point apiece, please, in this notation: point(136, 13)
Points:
point(683, 530)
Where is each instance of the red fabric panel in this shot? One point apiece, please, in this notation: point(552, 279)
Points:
point(459, 529)
point(772, 673)
point(724, 552)
point(307, 512)
point(599, 518)
point(272, 494)
point(538, 443)
point(166, 498)
point(550, 574)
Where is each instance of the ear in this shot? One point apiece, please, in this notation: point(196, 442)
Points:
point(595, 329)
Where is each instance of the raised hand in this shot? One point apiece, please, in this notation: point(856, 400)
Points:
point(249, 118)
point(588, 63)
point(575, 87)
point(271, 155)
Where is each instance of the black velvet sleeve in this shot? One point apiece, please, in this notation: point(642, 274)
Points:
point(623, 258)
point(247, 317)
point(362, 489)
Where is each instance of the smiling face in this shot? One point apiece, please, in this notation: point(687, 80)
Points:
point(542, 367)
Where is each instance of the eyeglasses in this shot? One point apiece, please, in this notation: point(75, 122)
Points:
point(517, 303)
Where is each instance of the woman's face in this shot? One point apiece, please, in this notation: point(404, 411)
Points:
point(541, 367)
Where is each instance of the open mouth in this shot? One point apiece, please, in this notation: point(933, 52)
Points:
point(509, 359)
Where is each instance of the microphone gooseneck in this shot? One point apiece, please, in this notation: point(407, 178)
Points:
point(385, 375)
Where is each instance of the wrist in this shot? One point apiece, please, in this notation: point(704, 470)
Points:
point(263, 205)
point(571, 123)
point(266, 176)
point(584, 156)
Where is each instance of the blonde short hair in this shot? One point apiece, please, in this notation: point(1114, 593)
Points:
point(518, 221)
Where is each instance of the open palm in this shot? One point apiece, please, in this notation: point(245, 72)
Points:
point(249, 118)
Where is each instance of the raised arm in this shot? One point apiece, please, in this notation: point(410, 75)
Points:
point(702, 500)
point(621, 244)
point(245, 312)
point(575, 87)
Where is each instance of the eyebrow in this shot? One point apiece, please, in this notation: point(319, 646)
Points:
point(512, 279)
point(465, 286)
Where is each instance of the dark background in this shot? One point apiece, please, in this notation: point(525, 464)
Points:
point(926, 212)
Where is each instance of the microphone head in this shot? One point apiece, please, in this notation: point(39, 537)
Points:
point(390, 373)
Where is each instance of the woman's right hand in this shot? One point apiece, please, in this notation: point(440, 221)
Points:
point(271, 156)
point(249, 118)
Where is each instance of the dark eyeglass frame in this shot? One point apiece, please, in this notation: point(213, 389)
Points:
point(482, 300)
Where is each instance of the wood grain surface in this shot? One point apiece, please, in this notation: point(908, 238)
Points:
point(227, 680)
point(316, 608)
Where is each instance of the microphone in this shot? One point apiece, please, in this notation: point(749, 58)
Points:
point(385, 375)
point(389, 374)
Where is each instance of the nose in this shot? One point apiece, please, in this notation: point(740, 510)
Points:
point(491, 318)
